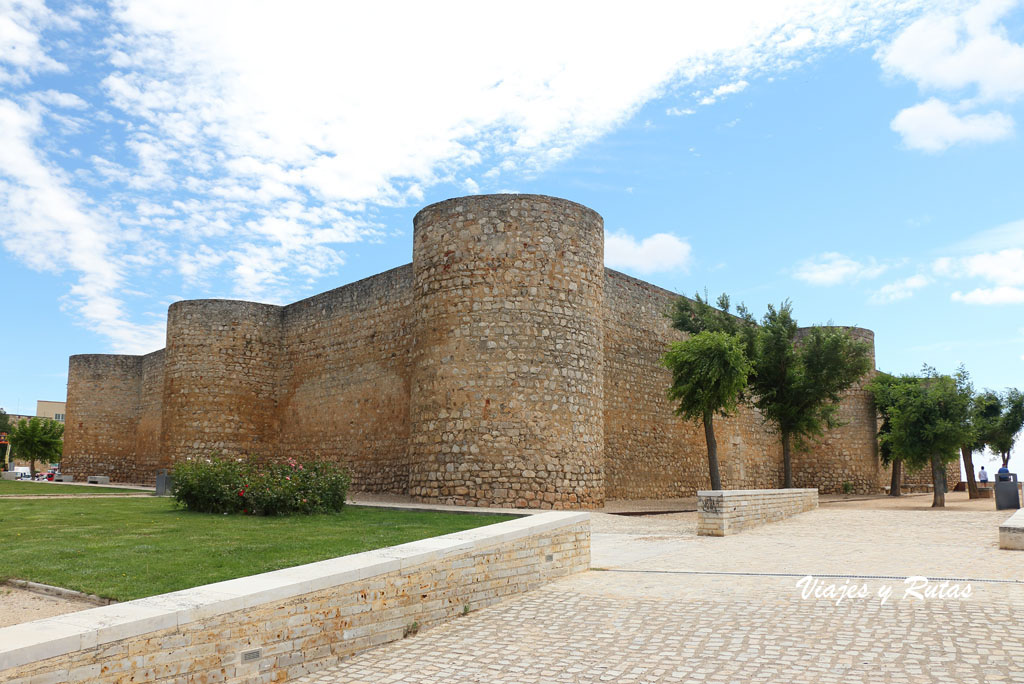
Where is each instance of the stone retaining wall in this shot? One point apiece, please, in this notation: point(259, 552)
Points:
point(725, 512)
point(300, 619)
point(1011, 532)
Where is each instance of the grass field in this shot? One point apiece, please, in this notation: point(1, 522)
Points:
point(130, 548)
point(16, 488)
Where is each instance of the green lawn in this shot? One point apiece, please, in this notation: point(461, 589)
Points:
point(130, 548)
point(14, 487)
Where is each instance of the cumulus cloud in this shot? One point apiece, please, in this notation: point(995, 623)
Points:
point(833, 268)
point(901, 289)
point(726, 89)
point(999, 267)
point(933, 126)
point(657, 253)
point(968, 51)
point(990, 296)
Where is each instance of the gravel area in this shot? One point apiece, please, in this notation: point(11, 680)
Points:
point(19, 605)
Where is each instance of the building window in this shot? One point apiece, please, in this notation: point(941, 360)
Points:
point(58, 416)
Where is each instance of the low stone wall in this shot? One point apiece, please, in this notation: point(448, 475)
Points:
point(725, 512)
point(284, 624)
point(1011, 532)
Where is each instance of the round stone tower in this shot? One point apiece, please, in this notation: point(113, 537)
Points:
point(220, 378)
point(507, 392)
point(849, 453)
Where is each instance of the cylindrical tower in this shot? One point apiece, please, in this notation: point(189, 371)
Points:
point(220, 378)
point(101, 417)
point(507, 380)
point(846, 457)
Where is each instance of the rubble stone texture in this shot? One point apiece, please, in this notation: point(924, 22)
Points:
point(504, 367)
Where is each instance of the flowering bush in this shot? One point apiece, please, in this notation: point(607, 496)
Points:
point(259, 487)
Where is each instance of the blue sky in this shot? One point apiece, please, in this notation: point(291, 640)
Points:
point(862, 159)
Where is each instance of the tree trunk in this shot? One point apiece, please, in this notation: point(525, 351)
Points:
point(938, 483)
point(787, 463)
point(972, 486)
point(709, 437)
point(1006, 459)
point(897, 476)
point(32, 468)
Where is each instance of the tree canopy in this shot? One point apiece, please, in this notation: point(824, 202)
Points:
point(1003, 430)
point(38, 439)
point(797, 384)
point(929, 419)
point(709, 371)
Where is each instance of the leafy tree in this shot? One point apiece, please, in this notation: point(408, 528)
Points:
point(1005, 429)
point(929, 420)
point(697, 315)
point(709, 371)
point(5, 426)
point(797, 387)
point(38, 439)
point(883, 388)
point(986, 408)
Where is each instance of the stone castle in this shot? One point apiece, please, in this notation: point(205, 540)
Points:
point(504, 367)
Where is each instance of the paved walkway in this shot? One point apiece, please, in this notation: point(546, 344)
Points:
point(669, 606)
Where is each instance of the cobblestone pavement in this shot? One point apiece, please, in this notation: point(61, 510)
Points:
point(673, 607)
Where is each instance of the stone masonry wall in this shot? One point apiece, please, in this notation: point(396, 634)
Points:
point(650, 452)
point(507, 391)
point(149, 457)
point(720, 513)
point(301, 619)
point(102, 416)
point(343, 392)
point(220, 378)
point(503, 367)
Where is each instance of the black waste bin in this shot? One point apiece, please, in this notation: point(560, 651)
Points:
point(164, 483)
point(1007, 491)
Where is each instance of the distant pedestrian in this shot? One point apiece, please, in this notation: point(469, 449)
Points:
point(982, 475)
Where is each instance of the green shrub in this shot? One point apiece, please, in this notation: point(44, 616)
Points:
point(847, 487)
point(259, 487)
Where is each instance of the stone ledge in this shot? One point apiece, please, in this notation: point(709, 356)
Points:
point(1011, 532)
point(723, 512)
point(24, 644)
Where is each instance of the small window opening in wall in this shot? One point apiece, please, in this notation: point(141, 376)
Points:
point(550, 557)
point(249, 656)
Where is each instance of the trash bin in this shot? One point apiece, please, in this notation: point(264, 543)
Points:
point(165, 483)
point(1007, 493)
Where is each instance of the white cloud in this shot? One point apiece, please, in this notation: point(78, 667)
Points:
point(901, 289)
point(1002, 269)
point(933, 126)
point(678, 111)
point(49, 226)
point(954, 53)
point(833, 268)
point(21, 50)
point(657, 253)
point(991, 296)
point(260, 158)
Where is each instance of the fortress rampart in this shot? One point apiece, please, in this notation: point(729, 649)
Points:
point(505, 366)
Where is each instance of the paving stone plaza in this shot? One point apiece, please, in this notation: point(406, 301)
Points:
point(664, 605)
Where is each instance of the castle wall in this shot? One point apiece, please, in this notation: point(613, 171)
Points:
point(148, 456)
point(651, 453)
point(504, 367)
point(220, 379)
point(102, 416)
point(507, 386)
point(344, 379)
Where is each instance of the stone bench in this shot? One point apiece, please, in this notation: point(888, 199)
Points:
point(61, 477)
point(97, 479)
point(722, 512)
point(10, 475)
point(1011, 532)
